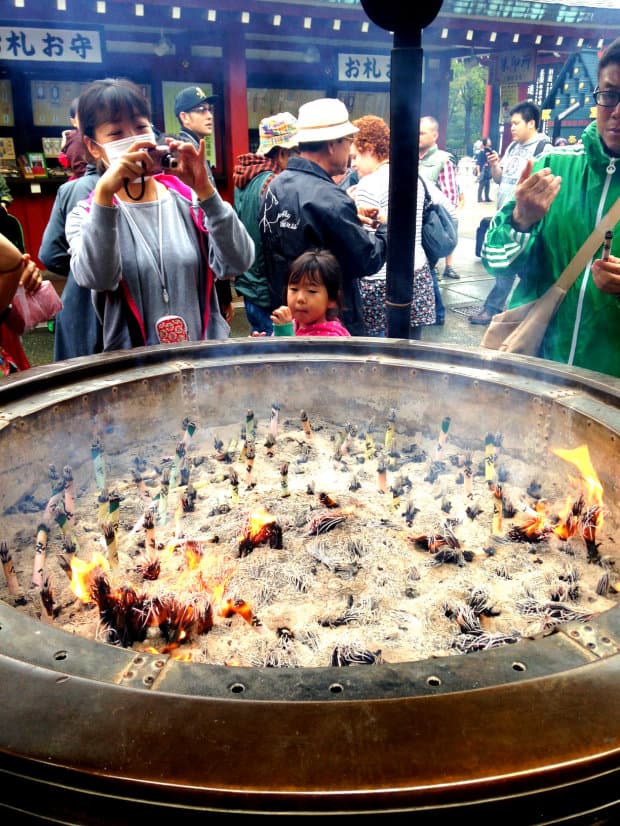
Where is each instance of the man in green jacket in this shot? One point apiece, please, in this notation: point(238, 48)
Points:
point(557, 202)
point(252, 173)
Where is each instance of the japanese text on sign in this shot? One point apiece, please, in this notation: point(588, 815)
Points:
point(57, 45)
point(514, 67)
point(370, 68)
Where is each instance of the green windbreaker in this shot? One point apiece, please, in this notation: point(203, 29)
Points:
point(586, 329)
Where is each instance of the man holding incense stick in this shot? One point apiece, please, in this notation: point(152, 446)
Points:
point(557, 203)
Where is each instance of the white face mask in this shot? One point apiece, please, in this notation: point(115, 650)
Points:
point(116, 149)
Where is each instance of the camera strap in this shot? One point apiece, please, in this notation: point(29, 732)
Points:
point(137, 232)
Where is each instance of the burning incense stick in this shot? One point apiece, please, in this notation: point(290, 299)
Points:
point(40, 551)
point(369, 447)
point(389, 431)
point(284, 480)
point(249, 466)
point(46, 595)
point(443, 437)
point(9, 570)
point(273, 421)
point(175, 468)
point(149, 527)
point(234, 487)
point(270, 443)
point(69, 490)
point(103, 506)
point(468, 476)
point(250, 425)
point(109, 533)
point(497, 510)
point(489, 457)
point(164, 488)
point(381, 473)
point(96, 453)
point(306, 424)
point(190, 428)
point(114, 504)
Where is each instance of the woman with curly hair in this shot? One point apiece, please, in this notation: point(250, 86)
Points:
point(370, 154)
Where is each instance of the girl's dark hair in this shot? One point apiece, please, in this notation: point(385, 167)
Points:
point(110, 100)
point(320, 267)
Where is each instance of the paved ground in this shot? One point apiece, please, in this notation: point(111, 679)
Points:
point(460, 297)
point(469, 292)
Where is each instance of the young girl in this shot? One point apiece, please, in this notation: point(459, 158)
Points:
point(150, 245)
point(313, 296)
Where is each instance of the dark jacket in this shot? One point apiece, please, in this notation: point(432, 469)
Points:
point(77, 330)
point(302, 208)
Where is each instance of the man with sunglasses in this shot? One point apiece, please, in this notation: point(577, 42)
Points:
point(194, 111)
point(557, 203)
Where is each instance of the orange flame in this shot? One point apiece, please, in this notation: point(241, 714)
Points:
point(580, 457)
point(83, 573)
point(257, 524)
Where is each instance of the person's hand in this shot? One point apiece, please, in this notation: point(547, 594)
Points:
point(493, 158)
point(534, 194)
point(135, 163)
point(191, 166)
point(31, 275)
point(282, 315)
point(228, 311)
point(606, 275)
point(370, 216)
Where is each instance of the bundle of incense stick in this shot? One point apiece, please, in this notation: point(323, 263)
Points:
point(97, 457)
point(69, 490)
point(190, 428)
point(40, 552)
point(273, 421)
point(9, 570)
point(443, 437)
point(389, 431)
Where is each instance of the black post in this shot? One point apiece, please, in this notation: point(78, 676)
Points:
point(405, 102)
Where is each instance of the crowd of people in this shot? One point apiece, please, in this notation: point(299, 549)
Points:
point(305, 242)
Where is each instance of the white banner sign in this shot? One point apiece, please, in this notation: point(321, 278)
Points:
point(55, 45)
point(364, 68)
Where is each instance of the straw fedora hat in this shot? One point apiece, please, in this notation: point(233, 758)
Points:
point(325, 119)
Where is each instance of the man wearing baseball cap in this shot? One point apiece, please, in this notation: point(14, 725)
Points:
point(303, 208)
point(252, 172)
point(194, 110)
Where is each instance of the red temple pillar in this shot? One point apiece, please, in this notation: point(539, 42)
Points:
point(235, 137)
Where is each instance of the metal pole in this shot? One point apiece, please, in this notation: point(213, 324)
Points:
point(405, 104)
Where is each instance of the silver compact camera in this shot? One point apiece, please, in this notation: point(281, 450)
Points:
point(163, 158)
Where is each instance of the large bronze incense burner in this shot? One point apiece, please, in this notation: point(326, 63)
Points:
point(93, 733)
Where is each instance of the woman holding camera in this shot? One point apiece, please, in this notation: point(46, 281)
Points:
point(150, 243)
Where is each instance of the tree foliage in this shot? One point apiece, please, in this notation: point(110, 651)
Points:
point(465, 105)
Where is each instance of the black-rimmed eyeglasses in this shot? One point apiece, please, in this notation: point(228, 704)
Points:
point(204, 107)
point(608, 98)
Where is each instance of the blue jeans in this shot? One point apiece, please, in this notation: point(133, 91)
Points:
point(440, 310)
point(495, 301)
point(259, 318)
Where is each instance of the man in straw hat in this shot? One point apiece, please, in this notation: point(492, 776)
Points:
point(303, 208)
point(252, 172)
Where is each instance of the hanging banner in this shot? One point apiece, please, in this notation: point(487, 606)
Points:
point(518, 66)
point(50, 45)
point(365, 68)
